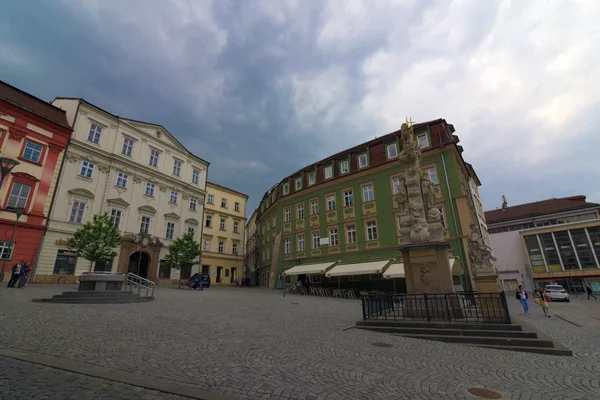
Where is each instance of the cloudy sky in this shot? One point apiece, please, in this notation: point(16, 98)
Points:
point(263, 88)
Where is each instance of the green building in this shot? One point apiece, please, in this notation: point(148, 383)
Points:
point(342, 210)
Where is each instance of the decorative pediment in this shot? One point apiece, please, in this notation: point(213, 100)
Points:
point(172, 215)
point(192, 221)
point(118, 202)
point(82, 193)
point(147, 209)
point(24, 176)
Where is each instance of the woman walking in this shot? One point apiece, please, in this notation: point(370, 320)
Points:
point(542, 299)
point(522, 296)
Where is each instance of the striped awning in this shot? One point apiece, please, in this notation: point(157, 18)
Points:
point(364, 268)
point(309, 269)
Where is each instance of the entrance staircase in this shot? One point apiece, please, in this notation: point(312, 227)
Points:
point(135, 290)
point(496, 336)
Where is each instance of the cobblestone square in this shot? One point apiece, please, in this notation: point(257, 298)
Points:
point(255, 344)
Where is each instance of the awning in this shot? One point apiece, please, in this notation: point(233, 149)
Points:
point(309, 269)
point(394, 271)
point(365, 268)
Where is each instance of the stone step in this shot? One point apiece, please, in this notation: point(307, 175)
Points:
point(440, 325)
point(480, 340)
point(551, 351)
point(450, 332)
point(94, 300)
point(85, 294)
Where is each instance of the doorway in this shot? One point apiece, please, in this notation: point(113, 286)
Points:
point(219, 274)
point(233, 274)
point(510, 285)
point(139, 262)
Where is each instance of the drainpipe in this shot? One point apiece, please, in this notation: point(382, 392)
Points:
point(459, 236)
point(51, 208)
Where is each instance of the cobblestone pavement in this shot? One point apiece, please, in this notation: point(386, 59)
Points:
point(40, 383)
point(255, 344)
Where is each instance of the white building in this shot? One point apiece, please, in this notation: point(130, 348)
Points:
point(138, 173)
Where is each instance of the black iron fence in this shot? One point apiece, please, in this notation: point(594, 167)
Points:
point(451, 307)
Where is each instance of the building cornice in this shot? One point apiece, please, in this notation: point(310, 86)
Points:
point(231, 191)
point(543, 217)
point(226, 213)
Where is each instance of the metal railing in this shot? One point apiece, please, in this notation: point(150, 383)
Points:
point(136, 284)
point(451, 307)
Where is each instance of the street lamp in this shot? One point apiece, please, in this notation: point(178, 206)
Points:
point(19, 211)
point(7, 165)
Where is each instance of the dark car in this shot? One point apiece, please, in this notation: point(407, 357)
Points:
point(205, 279)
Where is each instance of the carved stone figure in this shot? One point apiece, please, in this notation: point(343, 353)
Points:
point(428, 192)
point(479, 254)
point(402, 197)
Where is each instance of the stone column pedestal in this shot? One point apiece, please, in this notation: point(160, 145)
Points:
point(491, 306)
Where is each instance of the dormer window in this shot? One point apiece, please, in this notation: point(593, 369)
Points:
point(286, 189)
point(344, 167)
point(311, 178)
point(392, 150)
point(328, 172)
point(298, 183)
point(362, 160)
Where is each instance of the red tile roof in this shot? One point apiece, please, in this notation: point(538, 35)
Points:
point(33, 104)
point(538, 208)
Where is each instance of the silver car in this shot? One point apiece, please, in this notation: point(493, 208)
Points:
point(556, 293)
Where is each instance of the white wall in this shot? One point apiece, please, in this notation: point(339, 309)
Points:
point(508, 249)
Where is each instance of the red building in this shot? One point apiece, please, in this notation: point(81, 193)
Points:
point(35, 133)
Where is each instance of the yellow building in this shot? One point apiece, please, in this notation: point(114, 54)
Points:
point(223, 234)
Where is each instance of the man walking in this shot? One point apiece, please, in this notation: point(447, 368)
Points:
point(23, 276)
point(16, 273)
point(522, 296)
point(590, 293)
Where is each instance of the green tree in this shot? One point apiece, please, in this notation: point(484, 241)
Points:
point(96, 240)
point(184, 253)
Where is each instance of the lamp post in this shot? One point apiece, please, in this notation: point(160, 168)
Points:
point(7, 165)
point(19, 211)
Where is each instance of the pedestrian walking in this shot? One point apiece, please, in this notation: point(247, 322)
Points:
point(590, 293)
point(16, 273)
point(522, 296)
point(25, 268)
point(307, 284)
point(542, 299)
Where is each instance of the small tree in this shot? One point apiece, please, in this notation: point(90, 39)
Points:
point(184, 253)
point(96, 240)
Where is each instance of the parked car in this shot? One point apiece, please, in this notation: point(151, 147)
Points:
point(556, 293)
point(205, 279)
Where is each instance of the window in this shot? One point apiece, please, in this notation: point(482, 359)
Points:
point(127, 146)
point(77, 210)
point(173, 197)
point(423, 140)
point(208, 221)
point(65, 263)
point(331, 202)
point(236, 227)
point(164, 269)
point(298, 183)
point(333, 237)
point(432, 175)
point(154, 158)
point(315, 240)
point(191, 230)
point(236, 206)
point(348, 200)
point(210, 199)
point(392, 150)
point(176, 167)
point(221, 247)
point(145, 224)
point(170, 230)
point(224, 203)
point(328, 172)
point(362, 160)
point(368, 193)
point(193, 203)
point(222, 224)
point(300, 210)
point(288, 245)
point(195, 176)
point(350, 234)
point(149, 189)
point(115, 216)
point(122, 179)
point(311, 178)
point(443, 219)
point(372, 230)
point(33, 152)
point(94, 134)
point(395, 185)
point(344, 167)
point(206, 245)
point(235, 249)
point(18, 195)
point(300, 242)
point(6, 248)
point(87, 169)
point(287, 215)
point(314, 207)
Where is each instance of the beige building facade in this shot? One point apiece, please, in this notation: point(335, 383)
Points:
point(150, 184)
point(223, 234)
point(251, 249)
